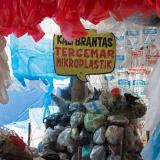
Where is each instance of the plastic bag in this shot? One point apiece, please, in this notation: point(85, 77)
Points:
point(114, 157)
point(99, 135)
point(114, 134)
point(153, 112)
point(49, 136)
point(84, 137)
point(75, 134)
point(86, 151)
point(96, 107)
point(98, 153)
point(93, 121)
point(64, 137)
point(77, 119)
point(4, 72)
point(63, 156)
point(151, 151)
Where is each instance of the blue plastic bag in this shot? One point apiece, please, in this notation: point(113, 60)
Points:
point(152, 150)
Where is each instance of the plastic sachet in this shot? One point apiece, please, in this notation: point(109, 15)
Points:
point(99, 136)
point(98, 153)
point(93, 121)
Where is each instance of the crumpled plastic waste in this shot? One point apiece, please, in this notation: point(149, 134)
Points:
point(98, 153)
point(21, 17)
point(96, 107)
point(77, 118)
point(64, 137)
point(99, 136)
point(93, 121)
point(63, 156)
point(114, 134)
point(84, 137)
point(49, 136)
point(112, 157)
point(75, 134)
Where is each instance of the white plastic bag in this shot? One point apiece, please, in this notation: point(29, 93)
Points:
point(64, 137)
point(98, 153)
point(153, 92)
point(99, 136)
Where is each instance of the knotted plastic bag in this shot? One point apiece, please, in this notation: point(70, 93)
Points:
point(96, 107)
point(98, 153)
point(64, 137)
point(77, 119)
point(93, 121)
point(49, 136)
point(114, 134)
point(99, 136)
point(75, 134)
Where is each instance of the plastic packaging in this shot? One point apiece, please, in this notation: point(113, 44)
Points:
point(49, 136)
point(77, 118)
point(114, 134)
point(86, 151)
point(84, 137)
point(93, 121)
point(99, 136)
point(112, 157)
point(96, 107)
point(75, 134)
point(64, 137)
point(98, 153)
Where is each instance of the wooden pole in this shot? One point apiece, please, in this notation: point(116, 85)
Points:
point(78, 90)
point(29, 134)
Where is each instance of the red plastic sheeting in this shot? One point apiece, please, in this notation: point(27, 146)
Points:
point(24, 16)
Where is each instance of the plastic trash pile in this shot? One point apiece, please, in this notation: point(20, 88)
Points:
point(102, 128)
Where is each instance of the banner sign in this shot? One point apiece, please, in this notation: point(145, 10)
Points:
point(93, 54)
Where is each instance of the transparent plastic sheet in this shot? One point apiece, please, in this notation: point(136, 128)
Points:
point(151, 150)
point(153, 92)
point(34, 61)
point(5, 79)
